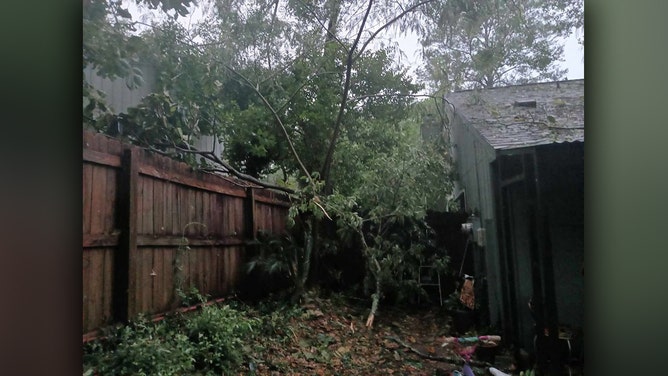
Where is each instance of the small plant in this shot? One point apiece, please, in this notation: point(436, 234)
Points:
point(182, 295)
point(192, 297)
point(284, 255)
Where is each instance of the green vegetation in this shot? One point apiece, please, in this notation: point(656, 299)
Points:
point(207, 342)
point(320, 337)
point(140, 348)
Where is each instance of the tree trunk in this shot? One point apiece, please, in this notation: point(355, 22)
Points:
point(327, 164)
point(375, 297)
point(303, 265)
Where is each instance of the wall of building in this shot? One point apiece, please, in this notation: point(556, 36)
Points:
point(119, 97)
point(562, 189)
point(473, 158)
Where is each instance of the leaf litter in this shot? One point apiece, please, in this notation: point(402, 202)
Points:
point(328, 337)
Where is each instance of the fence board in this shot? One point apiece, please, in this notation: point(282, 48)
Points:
point(142, 294)
point(88, 316)
point(108, 210)
point(97, 266)
point(183, 196)
point(147, 205)
point(101, 158)
point(87, 180)
point(216, 275)
point(157, 283)
point(107, 293)
point(176, 210)
point(167, 279)
point(98, 200)
point(158, 207)
point(235, 271)
point(169, 208)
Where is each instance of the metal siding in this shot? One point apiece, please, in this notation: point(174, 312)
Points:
point(119, 97)
point(473, 160)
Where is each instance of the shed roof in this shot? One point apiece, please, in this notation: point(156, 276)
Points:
point(524, 115)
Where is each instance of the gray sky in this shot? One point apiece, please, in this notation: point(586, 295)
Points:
point(574, 56)
point(573, 52)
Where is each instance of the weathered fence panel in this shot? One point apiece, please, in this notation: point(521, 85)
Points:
point(152, 226)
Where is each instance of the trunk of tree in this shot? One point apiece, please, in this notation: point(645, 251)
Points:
point(334, 7)
point(375, 297)
point(303, 265)
point(327, 164)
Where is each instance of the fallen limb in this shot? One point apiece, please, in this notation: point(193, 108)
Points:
point(449, 359)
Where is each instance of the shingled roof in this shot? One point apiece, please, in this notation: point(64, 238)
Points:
point(524, 115)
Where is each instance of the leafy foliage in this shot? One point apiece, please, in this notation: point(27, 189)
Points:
point(96, 113)
point(140, 348)
point(209, 342)
point(283, 255)
point(108, 45)
point(217, 334)
point(387, 204)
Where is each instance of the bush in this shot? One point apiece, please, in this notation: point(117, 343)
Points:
point(216, 334)
point(207, 342)
point(140, 348)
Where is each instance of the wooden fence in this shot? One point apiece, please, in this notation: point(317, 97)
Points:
point(139, 212)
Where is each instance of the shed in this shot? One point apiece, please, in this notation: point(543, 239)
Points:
point(519, 152)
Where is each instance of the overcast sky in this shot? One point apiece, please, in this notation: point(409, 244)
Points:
point(574, 55)
point(573, 52)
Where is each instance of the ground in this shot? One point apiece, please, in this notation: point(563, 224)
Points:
point(328, 337)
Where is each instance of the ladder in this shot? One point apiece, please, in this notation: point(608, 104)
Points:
point(428, 276)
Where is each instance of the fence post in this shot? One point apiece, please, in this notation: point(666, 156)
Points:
point(125, 288)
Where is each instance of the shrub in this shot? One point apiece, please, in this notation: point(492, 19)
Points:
point(140, 348)
point(217, 336)
point(207, 342)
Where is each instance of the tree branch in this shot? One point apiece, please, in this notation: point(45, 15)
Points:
point(211, 156)
point(256, 89)
point(386, 25)
point(448, 359)
point(330, 35)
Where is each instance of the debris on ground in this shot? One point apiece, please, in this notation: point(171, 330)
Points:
point(328, 337)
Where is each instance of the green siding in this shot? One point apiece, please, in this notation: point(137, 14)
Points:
point(473, 160)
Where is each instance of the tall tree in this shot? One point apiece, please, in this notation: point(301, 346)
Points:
point(487, 43)
point(297, 87)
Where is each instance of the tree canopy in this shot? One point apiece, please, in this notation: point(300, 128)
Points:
point(488, 43)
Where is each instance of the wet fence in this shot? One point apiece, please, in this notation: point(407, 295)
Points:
point(152, 227)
